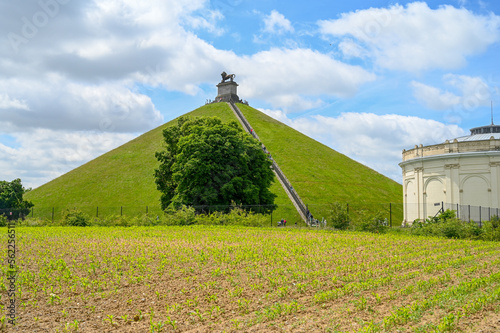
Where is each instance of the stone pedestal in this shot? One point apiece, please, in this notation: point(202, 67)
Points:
point(227, 91)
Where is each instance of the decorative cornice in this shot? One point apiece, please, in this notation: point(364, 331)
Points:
point(452, 166)
point(421, 159)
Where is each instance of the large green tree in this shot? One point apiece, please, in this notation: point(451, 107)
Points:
point(210, 163)
point(11, 199)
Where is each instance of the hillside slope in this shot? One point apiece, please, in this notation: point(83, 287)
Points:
point(124, 176)
point(320, 174)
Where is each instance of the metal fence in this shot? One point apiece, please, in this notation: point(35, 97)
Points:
point(470, 213)
point(393, 212)
point(57, 213)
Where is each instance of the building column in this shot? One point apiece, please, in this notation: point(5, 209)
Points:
point(419, 179)
point(452, 183)
point(448, 176)
point(405, 195)
point(495, 177)
point(456, 183)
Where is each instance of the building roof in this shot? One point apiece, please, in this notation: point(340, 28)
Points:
point(481, 133)
point(478, 142)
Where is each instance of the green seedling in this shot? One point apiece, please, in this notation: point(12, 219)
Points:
point(53, 298)
point(172, 323)
point(111, 321)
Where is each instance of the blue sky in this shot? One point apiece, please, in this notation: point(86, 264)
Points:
point(367, 78)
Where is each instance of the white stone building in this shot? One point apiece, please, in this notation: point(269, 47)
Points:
point(463, 173)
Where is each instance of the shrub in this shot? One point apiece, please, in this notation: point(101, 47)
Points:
point(36, 222)
point(235, 216)
point(447, 225)
point(112, 221)
point(338, 216)
point(238, 216)
point(442, 217)
point(182, 216)
point(451, 228)
point(146, 220)
point(372, 223)
point(495, 222)
point(3, 220)
point(491, 229)
point(75, 217)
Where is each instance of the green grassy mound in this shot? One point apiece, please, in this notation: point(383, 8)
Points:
point(321, 175)
point(122, 180)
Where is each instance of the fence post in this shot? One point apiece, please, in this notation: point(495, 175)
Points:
point(469, 213)
point(347, 209)
point(480, 209)
point(489, 213)
point(390, 214)
point(458, 216)
point(121, 210)
point(97, 212)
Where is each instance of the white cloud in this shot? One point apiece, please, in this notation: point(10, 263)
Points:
point(43, 155)
point(286, 76)
point(207, 22)
point(416, 37)
point(471, 92)
point(277, 23)
point(374, 140)
point(90, 57)
point(92, 65)
point(7, 102)
point(59, 104)
point(475, 92)
point(434, 98)
point(350, 48)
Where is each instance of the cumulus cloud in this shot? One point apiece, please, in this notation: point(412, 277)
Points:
point(93, 64)
point(7, 102)
point(42, 155)
point(433, 97)
point(207, 21)
point(470, 93)
point(89, 59)
point(61, 105)
point(415, 37)
point(277, 23)
point(282, 75)
point(350, 48)
point(374, 140)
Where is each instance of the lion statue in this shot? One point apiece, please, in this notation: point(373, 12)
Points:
point(226, 76)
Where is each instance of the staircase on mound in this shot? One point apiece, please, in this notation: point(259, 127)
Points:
point(285, 183)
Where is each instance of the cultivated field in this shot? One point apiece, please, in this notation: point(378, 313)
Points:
point(233, 279)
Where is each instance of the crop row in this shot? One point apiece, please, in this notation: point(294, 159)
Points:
point(231, 278)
